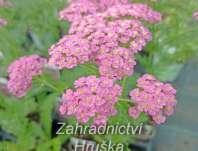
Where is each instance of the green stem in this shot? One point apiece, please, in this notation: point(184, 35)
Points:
point(90, 67)
point(124, 100)
point(124, 84)
point(43, 81)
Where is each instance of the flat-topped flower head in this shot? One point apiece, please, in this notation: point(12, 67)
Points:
point(93, 98)
point(69, 52)
point(100, 32)
point(108, 35)
point(154, 98)
point(21, 72)
point(94, 29)
point(116, 64)
point(77, 9)
point(133, 11)
point(87, 25)
point(131, 34)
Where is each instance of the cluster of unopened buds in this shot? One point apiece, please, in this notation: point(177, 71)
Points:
point(109, 34)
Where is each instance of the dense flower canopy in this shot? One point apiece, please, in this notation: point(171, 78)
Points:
point(107, 35)
point(96, 34)
point(114, 33)
point(116, 64)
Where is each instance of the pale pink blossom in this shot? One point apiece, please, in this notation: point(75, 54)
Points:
point(21, 72)
point(93, 98)
point(80, 8)
point(133, 10)
point(116, 64)
point(155, 98)
point(69, 52)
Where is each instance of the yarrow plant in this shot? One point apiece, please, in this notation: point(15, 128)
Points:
point(114, 35)
point(107, 34)
point(116, 28)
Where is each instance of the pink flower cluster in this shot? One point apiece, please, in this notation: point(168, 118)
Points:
point(2, 22)
point(96, 36)
point(195, 15)
point(115, 9)
point(93, 39)
point(131, 34)
point(116, 64)
point(77, 9)
point(154, 98)
point(133, 10)
point(94, 29)
point(21, 72)
point(107, 35)
point(98, 32)
point(93, 98)
point(70, 51)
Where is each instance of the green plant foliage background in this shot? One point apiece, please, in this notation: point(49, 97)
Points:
point(175, 38)
point(33, 26)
